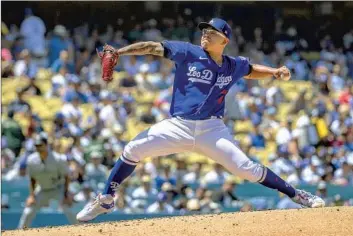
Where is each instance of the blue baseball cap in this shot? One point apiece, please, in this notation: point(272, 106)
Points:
point(217, 24)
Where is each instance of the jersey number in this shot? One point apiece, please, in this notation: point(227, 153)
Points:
point(223, 94)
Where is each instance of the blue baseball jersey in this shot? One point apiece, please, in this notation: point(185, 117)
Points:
point(200, 85)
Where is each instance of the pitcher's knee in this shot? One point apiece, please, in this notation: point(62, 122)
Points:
point(132, 153)
point(251, 171)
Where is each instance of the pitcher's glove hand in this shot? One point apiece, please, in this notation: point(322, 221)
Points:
point(109, 59)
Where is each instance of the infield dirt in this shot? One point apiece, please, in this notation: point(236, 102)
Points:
point(327, 221)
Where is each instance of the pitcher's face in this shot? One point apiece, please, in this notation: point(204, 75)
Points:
point(212, 39)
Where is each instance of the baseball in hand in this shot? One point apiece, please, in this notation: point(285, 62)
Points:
point(283, 73)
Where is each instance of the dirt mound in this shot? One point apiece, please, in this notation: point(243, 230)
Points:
point(302, 222)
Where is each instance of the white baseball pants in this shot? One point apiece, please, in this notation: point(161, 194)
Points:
point(42, 199)
point(207, 137)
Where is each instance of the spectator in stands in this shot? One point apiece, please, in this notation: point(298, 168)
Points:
point(193, 205)
point(135, 34)
point(86, 194)
point(216, 176)
point(153, 167)
point(344, 175)
point(25, 66)
point(74, 90)
point(148, 117)
point(107, 113)
point(151, 33)
point(60, 126)
point(34, 123)
point(94, 70)
point(337, 83)
point(116, 140)
point(283, 135)
point(6, 63)
point(33, 30)
point(226, 195)
point(12, 132)
point(286, 203)
point(95, 172)
point(94, 42)
point(322, 190)
point(143, 79)
point(123, 200)
point(131, 65)
point(165, 176)
point(160, 206)
point(19, 105)
point(83, 60)
point(59, 83)
point(57, 43)
point(128, 83)
point(76, 151)
point(71, 109)
point(145, 192)
point(63, 61)
point(118, 40)
point(310, 173)
point(257, 139)
point(194, 174)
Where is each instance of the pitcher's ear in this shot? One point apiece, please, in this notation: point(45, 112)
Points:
point(225, 41)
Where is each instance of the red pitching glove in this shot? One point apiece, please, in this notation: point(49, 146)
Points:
point(109, 59)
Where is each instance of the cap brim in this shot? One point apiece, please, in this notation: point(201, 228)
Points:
point(203, 25)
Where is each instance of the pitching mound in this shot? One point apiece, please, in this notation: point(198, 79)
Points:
point(303, 222)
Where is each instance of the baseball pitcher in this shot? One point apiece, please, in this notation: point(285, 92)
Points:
point(203, 77)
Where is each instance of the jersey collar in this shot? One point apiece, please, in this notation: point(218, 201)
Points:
point(209, 56)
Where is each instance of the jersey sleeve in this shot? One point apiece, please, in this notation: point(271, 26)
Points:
point(175, 50)
point(242, 66)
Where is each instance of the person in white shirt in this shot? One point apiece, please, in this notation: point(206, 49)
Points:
point(96, 173)
point(160, 206)
point(310, 173)
point(283, 135)
point(216, 176)
point(344, 175)
point(25, 66)
point(107, 114)
point(144, 191)
point(71, 110)
point(49, 179)
point(59, 83)
point(194, 174)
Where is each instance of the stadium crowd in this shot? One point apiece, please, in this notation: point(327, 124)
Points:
point(312, 144)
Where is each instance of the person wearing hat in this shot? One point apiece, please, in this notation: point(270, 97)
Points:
point(203, 77)
point(58, 43)
point(49, 179)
